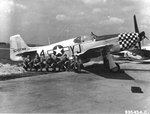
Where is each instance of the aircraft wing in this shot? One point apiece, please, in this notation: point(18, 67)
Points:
point(94, 52)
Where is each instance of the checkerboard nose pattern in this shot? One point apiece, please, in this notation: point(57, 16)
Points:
point(127, 40)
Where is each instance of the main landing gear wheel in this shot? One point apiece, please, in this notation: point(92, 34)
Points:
point(116, 69)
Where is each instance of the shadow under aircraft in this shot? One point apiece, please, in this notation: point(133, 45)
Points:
point(99, 70)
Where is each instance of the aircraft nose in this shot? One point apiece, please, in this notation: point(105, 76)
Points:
point(128, 40)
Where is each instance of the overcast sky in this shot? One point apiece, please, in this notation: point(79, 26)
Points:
point(39, 20)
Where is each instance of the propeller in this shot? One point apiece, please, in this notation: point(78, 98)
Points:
point(141, 34)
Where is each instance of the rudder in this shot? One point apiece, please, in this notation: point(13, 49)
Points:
point(17, 46)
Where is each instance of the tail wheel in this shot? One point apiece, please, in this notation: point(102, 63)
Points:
point(116, 69)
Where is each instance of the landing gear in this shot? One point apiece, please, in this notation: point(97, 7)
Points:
point(115, 69)
point(110, 64)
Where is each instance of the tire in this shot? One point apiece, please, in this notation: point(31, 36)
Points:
point(116, 69)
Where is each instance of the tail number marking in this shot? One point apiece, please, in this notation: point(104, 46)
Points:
point(19, 49)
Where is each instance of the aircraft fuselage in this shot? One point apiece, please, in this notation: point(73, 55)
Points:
point(114, 43)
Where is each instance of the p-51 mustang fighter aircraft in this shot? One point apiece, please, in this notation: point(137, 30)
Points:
point(83, 47)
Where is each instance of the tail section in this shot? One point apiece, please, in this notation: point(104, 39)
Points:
point(17, 46)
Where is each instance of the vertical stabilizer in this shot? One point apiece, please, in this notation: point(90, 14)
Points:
point(17, 46)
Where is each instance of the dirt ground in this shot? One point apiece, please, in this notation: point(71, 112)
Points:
point(95, 90)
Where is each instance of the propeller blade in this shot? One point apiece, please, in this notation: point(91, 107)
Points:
point(135, 25)
point(139, 43)
point(137, 30)
point(141, 34)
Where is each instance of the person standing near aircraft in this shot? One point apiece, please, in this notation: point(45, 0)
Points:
point(26, 62)
point(30, 64)
point(71, 64)
point(49, 62)
point(77, 64)
point(55, 62)
point(42, 62)
point(36, 62)
point(74, 64)
point(63, 63)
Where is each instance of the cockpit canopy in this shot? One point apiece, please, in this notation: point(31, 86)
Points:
point(78, 39)
point(81, 39)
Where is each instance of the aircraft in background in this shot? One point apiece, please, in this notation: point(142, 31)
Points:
point(83, 47)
